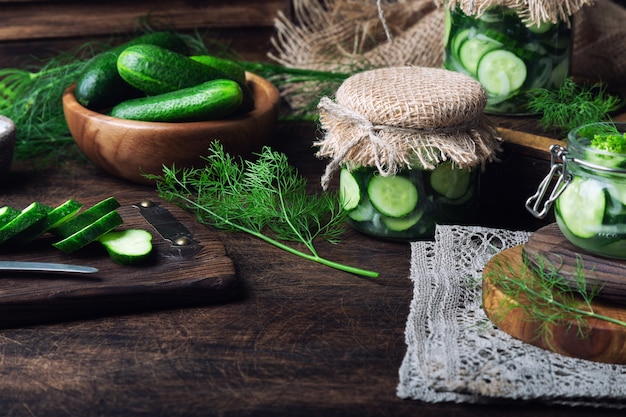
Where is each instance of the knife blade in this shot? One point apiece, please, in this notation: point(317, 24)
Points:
point(45, 267)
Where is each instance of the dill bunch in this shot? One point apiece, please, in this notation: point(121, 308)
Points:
point(571, 105)
point(266, 198)
point(32, 98)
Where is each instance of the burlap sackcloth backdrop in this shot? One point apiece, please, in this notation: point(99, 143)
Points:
point(349, 35)
point(454, 353)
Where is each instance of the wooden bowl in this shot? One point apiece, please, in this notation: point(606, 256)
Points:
point(129, 149)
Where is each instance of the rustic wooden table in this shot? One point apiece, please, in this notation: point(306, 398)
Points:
point(300, 340)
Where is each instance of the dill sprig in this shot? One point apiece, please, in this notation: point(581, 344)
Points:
point(266, 198)
point(572, 105)
point(550, 298)
point(32, 98)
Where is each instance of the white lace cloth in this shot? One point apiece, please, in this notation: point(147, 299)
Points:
point(455, 354)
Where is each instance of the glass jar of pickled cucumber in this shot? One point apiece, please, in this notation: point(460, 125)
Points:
point(409, 204)
point(590, 193)
point(506, 55)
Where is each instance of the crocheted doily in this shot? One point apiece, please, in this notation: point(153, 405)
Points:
point(455, 354)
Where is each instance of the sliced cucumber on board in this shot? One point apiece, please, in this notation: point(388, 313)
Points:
point(7, 214)
point(85, 218)
point(127, 247)
point(55, 217)
point(90, 233)
point(32, 214)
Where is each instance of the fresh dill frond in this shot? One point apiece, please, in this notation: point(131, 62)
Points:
point(548, 298)
point(572, 105)
point(266, 198)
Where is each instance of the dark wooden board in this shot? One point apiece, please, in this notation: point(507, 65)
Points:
point(166, 280)
point(548, 247)
point(601, 341)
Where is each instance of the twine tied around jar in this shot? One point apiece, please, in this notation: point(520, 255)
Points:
point(398, 117)
point(530, 11)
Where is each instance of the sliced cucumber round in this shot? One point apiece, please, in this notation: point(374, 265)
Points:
point(449, 181)
point(87, 217)
point(127, 247)
point(55, 217)
point(364, 212)
point(473, 50)
point(393, 196)
point(8, 213)
point(581, 207)
point(349, 191)
point(403, 223)
point(32, 214)
point(90, 233)
point(501, 72)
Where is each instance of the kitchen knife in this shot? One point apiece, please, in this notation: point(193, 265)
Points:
point(45, 267)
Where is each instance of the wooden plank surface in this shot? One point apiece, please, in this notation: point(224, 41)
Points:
point(40, 20)
point(303, 340)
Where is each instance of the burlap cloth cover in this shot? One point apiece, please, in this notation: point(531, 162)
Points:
point(455, 354)
point(395, 118)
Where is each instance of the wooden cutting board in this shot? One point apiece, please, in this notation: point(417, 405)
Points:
point(602, 341)
point(167, 280)
point(548, 246)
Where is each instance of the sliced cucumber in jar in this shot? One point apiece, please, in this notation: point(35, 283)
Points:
point(393, 196)
point(450, 182)
point(403, 223)
point(364, 212)
point(581, 207)
point(501, 73)
point(349, 190)
point(473, 50)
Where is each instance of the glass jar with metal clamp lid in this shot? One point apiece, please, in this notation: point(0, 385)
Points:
point(587, 185)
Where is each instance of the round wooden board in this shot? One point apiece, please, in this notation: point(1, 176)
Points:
point(548, 247)
point(602, 342)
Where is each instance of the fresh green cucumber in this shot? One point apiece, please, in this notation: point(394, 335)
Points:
point(7, 213)
point(210, 100)
point(232, 71)
point(87, 217)
point(581, 206)
point(100, 86)
point(501, 73)
point(393, 196)
point(90, 233)
point(127, 247)
point(449, 181)
point(55, 217)
point(32, 214)
point(155, 70)
point(349, 190)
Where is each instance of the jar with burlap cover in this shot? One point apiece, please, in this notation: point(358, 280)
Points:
point(397, 118)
